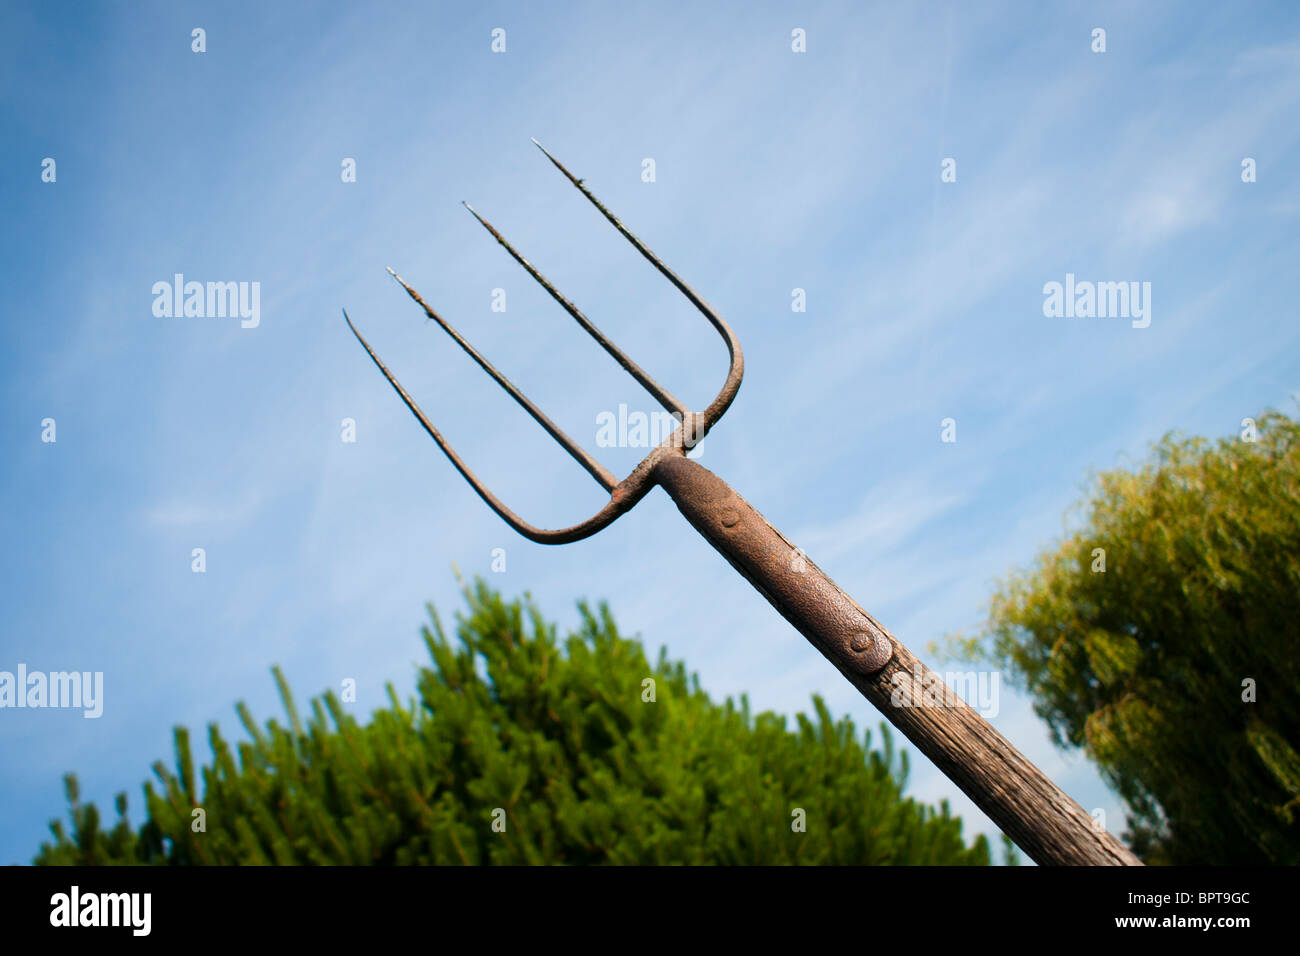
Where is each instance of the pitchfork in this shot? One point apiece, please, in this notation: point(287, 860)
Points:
point(1049, 826)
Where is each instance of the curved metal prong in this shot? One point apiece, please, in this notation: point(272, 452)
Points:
point(710, 416)
point(617, 504)
point(661, 394)
point(598, 471)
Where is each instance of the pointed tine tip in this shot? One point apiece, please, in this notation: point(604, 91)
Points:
point(348, 319)
point(403, 283)
point(544, 150)
point(559, 165)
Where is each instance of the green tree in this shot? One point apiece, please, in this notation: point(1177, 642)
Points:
point(560, 747)
point(1176, 667)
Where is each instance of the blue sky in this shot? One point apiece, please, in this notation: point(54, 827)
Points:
point(774, 171)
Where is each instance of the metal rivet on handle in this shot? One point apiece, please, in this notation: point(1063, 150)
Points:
point(876, 650)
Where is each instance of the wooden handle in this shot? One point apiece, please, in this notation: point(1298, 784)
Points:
point(1044, 822)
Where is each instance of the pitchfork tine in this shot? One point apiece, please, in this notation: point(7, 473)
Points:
point(732, 385)
point(469, 476)
point(598, 471)
point(563, 536)
point(661, 394)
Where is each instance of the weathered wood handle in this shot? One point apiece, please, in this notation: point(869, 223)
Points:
point(1044, 822)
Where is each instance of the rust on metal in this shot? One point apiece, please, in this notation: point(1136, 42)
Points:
point(692, 427)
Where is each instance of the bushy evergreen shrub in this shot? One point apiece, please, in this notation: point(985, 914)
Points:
point(556, 743)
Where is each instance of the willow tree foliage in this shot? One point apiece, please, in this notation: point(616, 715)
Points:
point(521, 749)
point(1163, 638)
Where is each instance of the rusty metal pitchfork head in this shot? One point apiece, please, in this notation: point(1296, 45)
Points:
point(692, 426)
point(1046, 823)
